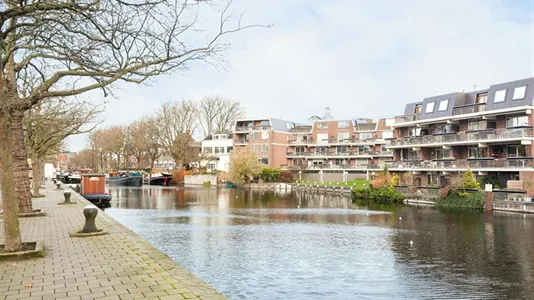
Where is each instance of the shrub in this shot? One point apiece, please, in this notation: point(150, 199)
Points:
point(268, 174)
point(206, 184)
point(177, 177)
point(462, 200)
point(286, 176)
point(489, 179)
point(380, 195)
point(468, 181)
point(244, 165)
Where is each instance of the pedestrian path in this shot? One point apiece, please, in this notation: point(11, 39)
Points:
point(119, 265)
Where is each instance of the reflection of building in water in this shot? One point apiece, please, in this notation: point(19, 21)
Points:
point(320, 200)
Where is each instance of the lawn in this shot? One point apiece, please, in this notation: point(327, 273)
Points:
point(351, 183)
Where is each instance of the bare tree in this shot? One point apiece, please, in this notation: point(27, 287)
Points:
point(83, 159)
point(63, 48)
point(177, 124)
point(50, 123)
point(218, 114)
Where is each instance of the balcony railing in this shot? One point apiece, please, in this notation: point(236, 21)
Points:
point(468, 109)
point(342, 167)
point(463, 164)
point(406, 118)
point(473, 136)
point(241, 142)
point(338, 142)
point(250, 128)
point(347, 153)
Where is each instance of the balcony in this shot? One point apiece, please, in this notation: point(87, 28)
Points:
point(468, 109)
point(336, 142)
point(367, 154)
point(406, 118)
point(241, 142)
point(340, 167)
point(463, 138)
point(463, 164)
point(245, 129)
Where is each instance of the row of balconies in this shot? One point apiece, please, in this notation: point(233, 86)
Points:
point(460, 164)
point(505, 134)
point(341, 154)
point(339, 167)
point(338, 142)
point(251, 128)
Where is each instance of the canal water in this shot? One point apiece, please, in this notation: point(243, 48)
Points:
point(273, 245)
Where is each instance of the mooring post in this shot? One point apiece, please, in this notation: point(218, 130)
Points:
point(90, 213)
point(489, 197)
point(58, 186)
point(66, 194)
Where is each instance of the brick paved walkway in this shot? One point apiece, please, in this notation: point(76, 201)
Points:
point(120, 265)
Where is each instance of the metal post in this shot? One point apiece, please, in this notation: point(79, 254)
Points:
point(489, 197)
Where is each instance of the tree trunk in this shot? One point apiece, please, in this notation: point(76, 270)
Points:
point(9, 201)
point(37, 174)
point(20, 164)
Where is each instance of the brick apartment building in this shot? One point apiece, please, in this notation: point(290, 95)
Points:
point(359, 144)
point(488, 131)
point(267, 137)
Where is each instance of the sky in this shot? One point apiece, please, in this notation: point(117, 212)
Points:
point(360, 58)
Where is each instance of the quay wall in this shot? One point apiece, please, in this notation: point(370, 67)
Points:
point(200, 179)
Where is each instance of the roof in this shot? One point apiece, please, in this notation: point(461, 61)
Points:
point(284, 125)
point(210, 137)
point(444, 105)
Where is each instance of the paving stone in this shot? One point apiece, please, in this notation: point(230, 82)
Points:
point(119, 265)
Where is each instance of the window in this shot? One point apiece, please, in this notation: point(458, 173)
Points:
point(517, 121)
point(322, 138)
point(519, 92)
point(477, 152)
point(221, 149)
point(429, 108)
point(500, 96)
point(299, 149)
point(516, 151)
point(229, 149)
point(320, 149)
point(216, 149)
point(387, 134)
point(264, 160)
point(322, 125)
point(443, 154)
point(366, 136)
point(443, 105)
point(482, 98)
point(255, 148)
point(443, 129)
point(208, 150)
point(341, 149)
point(255, 135)
point(265, 135)
point(480, 125)
point(343, 124)
point(264, 148)
point(390, 122)
point(416, 131)
point(414, 154)
point(342, 136)
point(211, 166)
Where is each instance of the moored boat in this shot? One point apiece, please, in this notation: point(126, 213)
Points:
point(160, 179)
point(128, 180)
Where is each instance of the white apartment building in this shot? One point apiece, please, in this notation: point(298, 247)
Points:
point(215, 154)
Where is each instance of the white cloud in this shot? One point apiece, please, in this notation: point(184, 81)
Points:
point(360, 58)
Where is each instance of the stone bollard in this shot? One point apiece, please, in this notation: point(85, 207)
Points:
point(90, 213)
point(58, 185)
point(66, 194)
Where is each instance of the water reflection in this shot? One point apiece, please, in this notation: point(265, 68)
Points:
point(270, 245)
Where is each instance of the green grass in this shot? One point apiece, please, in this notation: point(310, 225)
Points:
point(351, 183)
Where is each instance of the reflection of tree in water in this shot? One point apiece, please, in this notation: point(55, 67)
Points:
point(494, 251)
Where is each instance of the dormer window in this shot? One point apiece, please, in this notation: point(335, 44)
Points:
point(443, 105)
point(500, 96)
point(519, 92)
point(429, 108)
